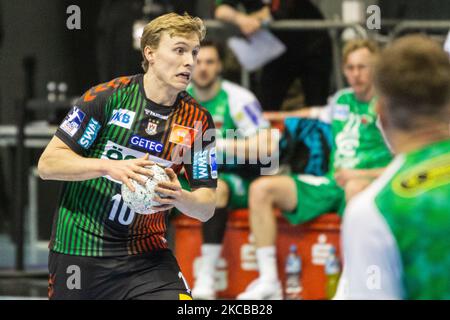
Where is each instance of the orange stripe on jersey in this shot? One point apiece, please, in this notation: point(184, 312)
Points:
point(112, 84)
point(196, 114)
point(167, 130)
point(190, 114)
point(88, 97)
point(155, 230)
point(152, 227)
point(100, 88)
point(124, 80)
point(205, 122)
point(134, 233)
point(178, 121)
point(143, 230)
point(162, 224)
point(137, 235)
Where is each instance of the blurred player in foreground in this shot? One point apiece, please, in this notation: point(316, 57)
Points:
point(359, 154)
point(395, 234)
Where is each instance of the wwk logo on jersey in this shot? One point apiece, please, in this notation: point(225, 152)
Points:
point(73, 121)
point(89, 134)
point(123, 118)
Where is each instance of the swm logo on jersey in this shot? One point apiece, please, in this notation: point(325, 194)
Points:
point(89, 134)
point(73, 121)
point(122, 118)
point(201, 164)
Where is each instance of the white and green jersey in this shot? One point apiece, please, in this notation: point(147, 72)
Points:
point(395, 234)
point(358, 142)
point(234, 108)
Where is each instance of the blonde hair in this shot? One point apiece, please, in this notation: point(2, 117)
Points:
point(175, 25)
point(357, 44)
point(413, 75)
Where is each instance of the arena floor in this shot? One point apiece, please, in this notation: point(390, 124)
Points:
point(23, 289)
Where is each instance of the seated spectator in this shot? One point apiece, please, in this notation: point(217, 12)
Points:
point(308, 56)
point(358, 154)
point(232, 108)
point(395, 233)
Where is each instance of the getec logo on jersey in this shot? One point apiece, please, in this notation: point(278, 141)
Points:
point(123, 118)
point(73, 121)
point(146, 144)
point(89, 134)
point(200, 164)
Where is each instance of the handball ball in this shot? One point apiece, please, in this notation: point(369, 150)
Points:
point(141, 201)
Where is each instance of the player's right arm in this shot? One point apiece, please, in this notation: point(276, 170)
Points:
point(310, 112)
point(60, 162)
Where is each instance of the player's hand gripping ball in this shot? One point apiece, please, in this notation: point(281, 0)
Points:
point(141, 201)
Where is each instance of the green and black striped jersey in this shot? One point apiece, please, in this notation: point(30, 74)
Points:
point(116, 120)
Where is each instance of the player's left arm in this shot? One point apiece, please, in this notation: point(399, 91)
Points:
point(198, 204)
point(201, 172)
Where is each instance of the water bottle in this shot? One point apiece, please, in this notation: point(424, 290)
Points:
point(332, 273)
point(293, 286)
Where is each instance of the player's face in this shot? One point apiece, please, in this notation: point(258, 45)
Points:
point(358, 71)
point(174, 60)
point(208, 67)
